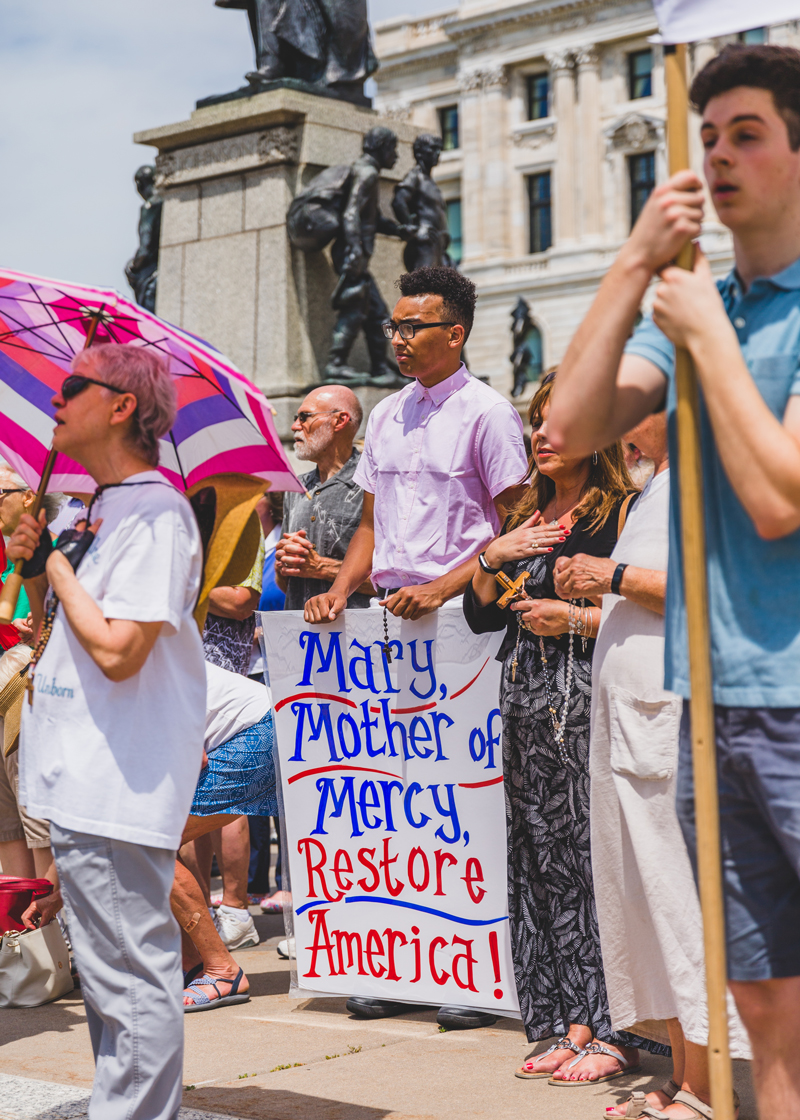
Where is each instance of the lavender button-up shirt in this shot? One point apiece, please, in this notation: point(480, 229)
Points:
point(435, 459)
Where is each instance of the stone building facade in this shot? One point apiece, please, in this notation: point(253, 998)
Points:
point(552, 114)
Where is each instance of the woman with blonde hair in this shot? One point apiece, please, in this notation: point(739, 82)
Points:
point(572, 506)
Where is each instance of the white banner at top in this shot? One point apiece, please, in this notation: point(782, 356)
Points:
point(688, 21)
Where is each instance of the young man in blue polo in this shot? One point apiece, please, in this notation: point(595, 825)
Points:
point(743, 334)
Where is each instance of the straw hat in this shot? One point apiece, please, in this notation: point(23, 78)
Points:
point(225, 505)
point(11, 701)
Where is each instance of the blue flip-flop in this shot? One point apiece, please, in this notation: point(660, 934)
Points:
point(204, 1003)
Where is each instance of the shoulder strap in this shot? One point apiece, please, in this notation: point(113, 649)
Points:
point(625, 509)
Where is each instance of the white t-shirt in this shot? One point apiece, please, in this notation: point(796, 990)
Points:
point(233, 703)
point(121, 759)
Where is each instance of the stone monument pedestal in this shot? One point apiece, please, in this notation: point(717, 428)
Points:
point(227, 271)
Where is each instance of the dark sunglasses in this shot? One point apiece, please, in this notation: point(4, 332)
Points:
point(76, 383)
point(407, 330)
point(12, 490)
point(304, 417)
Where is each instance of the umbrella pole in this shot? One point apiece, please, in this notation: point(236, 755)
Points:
point(690, 481)
point(13, 584)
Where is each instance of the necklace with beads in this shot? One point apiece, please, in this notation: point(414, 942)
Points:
point(576, 626)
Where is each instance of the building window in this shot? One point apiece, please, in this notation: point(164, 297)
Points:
point(448, 126)
point(642, 169)
point(538, 96)
point(540, 214)
point(455, 248)
point(640, 74)
point(754, 35)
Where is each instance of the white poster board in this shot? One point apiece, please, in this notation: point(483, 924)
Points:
point(392, 785)
point(689, 21)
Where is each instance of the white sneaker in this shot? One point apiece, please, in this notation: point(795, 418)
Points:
point(286, 949)
point(235, 932)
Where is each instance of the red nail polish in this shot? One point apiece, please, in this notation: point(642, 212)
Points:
point(549, 550)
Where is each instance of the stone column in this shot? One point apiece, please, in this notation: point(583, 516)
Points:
point(589, 136)
point(565, 171)
point(485, 191)
point(495, 161)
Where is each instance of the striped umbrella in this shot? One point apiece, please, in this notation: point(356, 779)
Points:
point(224, 423)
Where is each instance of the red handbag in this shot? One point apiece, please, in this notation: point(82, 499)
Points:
point(16, 895)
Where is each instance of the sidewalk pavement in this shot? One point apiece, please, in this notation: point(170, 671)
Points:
point(280, 1059)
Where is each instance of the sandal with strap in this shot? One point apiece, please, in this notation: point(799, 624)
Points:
point(564, 1043)
point(597, 1048)
point(192, 974)
point(637, 1102)
point(701, 1110)
point(202, 1002)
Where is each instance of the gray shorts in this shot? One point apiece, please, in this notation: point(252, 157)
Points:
point(758, 768)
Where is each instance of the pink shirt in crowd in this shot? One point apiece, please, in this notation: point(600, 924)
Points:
point(435, 459)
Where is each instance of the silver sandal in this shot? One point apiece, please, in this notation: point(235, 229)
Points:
point(701, 1110)
point(564, 1043)
point(637, 1102)
point(597, 1048)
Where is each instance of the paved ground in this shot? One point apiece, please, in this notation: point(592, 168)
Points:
point(334, 1067)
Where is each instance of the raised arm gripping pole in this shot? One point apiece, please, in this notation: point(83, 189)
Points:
point(13, 584)
point(695, 582)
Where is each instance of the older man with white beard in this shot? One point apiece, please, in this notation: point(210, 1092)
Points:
point(317, 532)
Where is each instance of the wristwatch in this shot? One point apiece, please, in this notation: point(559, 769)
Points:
point(616, 579)
point(485, 567)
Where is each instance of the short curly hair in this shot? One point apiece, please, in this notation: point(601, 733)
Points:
point(760, 66)
point(458, 293)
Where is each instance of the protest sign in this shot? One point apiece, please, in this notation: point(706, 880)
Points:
point(688, 21)
point(392, 780)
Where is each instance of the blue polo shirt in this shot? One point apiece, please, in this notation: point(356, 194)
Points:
point(753, 584)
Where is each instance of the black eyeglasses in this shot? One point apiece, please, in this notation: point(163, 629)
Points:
point(76, 383)
point(13, 490)
point(407, 330)
point(304, 417)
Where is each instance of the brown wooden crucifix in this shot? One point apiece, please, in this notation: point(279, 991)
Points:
point(513, 587)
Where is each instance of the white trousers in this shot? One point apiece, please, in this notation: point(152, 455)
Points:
point(128, 951)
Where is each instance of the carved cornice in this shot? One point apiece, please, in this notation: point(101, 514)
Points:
point(229, 156)
point(482, 77)
point(635, 132)
point(534, 11)
point(534, 134)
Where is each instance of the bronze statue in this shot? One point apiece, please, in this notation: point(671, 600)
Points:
point(419, 206)
point(141, 271)
point(325, 43)
point(526, 357)
point(341, 205)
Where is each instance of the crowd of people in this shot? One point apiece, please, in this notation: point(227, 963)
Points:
point(605, 922)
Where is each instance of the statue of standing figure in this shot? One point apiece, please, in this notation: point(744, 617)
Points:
point(419, 206)
point(141, 271)
point(526, 357)
point(341, 205)
point(323, 42)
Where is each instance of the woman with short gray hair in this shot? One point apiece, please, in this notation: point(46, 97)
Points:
point(112, 744)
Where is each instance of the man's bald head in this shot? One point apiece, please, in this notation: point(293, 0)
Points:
point(335, 398)
point(334, 415)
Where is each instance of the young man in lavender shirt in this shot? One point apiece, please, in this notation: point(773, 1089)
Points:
point(443, 460)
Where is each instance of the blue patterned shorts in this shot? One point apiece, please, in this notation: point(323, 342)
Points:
point(240, 776)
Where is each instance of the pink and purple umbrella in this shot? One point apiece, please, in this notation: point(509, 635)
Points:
point(224, 423)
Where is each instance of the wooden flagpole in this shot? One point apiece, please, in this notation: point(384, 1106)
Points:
point(695, 582)
point(13, 584)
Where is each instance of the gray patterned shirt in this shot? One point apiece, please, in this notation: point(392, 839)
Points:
point(329, 519)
